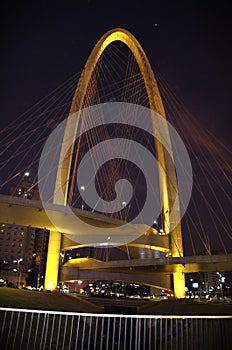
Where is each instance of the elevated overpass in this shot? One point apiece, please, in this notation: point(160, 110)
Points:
point(186, 264)
point(152, 272)
point(155, 272)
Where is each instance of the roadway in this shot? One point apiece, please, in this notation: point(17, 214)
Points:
point(21, 211)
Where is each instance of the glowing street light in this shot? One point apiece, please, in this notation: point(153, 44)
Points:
point(82, 188)
point(124, 206)
point(18, 261)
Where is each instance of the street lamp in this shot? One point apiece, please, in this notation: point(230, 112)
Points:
point(82, 188)
point(18, 261)
point(124, 206)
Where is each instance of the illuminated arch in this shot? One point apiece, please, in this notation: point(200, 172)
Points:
point(168, 183)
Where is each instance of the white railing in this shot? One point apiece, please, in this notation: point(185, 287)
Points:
point(36, 329)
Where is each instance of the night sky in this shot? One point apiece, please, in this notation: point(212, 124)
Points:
point(44, 43)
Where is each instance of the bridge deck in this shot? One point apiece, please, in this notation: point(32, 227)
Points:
point(187, 264)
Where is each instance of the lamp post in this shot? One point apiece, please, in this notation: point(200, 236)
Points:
point(19, 271)
point(82, 188)
point(124, 206)
point(18, 261)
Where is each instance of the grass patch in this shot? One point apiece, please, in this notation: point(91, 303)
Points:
point(26, 299)
point(187, 307)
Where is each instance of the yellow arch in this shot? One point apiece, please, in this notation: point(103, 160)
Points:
point(168, 182)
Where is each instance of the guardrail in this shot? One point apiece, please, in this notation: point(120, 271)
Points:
point(37, 329)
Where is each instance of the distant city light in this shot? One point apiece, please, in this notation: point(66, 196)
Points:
point(27, 174)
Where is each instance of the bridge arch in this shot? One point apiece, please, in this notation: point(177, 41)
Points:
point(167, 179)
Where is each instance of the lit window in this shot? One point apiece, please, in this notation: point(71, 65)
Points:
point(21, 233)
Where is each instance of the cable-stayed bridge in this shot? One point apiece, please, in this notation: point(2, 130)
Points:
point(119, 71)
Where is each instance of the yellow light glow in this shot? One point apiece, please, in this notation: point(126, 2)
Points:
point(76, 261)
point(52, 266)
point(148, 246)
point(179, 285)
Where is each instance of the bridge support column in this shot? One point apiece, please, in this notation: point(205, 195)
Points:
point(52, 265)
point(179, 284)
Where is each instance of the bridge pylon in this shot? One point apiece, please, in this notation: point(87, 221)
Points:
point(167, 175)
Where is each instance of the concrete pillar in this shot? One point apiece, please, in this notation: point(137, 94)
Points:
point(179, 284)
point(53, 257)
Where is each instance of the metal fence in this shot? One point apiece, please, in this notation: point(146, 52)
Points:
point(35, 329)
